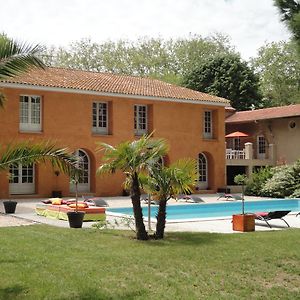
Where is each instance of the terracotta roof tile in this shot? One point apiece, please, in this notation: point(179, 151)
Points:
point(110, 83)
point(265, 113)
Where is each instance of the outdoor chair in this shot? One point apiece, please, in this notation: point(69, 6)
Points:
point(95, 201)
point(190, 198)
point(229, 197)
point(144, 198)
point(193, 199)
point(267, 216)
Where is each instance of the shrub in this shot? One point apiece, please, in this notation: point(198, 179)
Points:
point(255, 184)
point(284, 182)
point(296, 193)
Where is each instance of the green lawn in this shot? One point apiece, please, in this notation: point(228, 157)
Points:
point(42, 262)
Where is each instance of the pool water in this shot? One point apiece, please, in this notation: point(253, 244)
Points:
point(190, 212)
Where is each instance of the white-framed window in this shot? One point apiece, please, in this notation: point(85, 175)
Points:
point(22, 179)
point(207, 124)
point(100, 117)
point(30, 113)
point(140, 119)
point(261, 147)
point(202, 171)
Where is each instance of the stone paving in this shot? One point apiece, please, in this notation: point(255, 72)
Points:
point(25, 215)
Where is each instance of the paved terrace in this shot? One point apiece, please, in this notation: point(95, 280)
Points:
point(25, 215)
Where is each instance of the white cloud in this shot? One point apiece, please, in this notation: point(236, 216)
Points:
point(249, 23)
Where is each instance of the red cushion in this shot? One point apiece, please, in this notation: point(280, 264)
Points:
point(262, 214)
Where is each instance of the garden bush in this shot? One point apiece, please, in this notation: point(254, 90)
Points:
point(284, 183)
point(259, 178)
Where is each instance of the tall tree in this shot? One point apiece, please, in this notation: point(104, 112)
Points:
point(290, 12)
point(16, 58)
point(229, 77)
point(278, 67)
point(133, 158)
point(152, 57)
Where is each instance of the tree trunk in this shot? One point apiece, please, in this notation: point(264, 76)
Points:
point(141, 233)
point(161, 219)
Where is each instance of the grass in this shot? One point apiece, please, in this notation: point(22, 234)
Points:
point(43, 262)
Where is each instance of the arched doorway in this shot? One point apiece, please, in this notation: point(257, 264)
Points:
point(84, 178)
point(202, 172)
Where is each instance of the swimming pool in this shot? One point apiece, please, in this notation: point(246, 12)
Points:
point(193, 212)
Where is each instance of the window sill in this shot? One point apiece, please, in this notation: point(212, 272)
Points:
point(210, 140)
point(139, 134)
point(29, 132)
point(101, 134)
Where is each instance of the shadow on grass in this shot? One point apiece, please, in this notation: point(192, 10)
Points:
point(264, 224)
point(178, 238)
point(11, 292)
point(187, 238)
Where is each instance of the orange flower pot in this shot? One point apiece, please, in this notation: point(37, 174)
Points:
point(244, 223)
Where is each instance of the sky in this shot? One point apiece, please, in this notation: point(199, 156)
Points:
point(248, 23)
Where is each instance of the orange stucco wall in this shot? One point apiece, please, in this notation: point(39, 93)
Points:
point(67, 119)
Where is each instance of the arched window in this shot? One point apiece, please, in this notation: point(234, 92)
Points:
point(84, 178)
point(202, 171)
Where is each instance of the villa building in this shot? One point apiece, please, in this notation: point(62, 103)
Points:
point(262, 137)
point(79, 110)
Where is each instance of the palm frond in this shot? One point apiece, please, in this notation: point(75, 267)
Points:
point(167, 181)
point(27, 153)
point(16, 58)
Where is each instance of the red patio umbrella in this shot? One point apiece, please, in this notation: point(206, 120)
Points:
point(236, 134)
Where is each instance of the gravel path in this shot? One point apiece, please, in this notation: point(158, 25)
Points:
point(7, 221)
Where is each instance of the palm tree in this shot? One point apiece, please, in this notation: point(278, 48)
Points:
point(167, 182)
point(26, 153)
point(16, 58)
point(133, 158)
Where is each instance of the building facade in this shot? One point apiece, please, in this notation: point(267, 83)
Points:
point(272, 137)
point(79, 110)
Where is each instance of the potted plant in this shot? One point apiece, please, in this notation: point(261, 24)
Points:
point(56, 193)
point(243, 222)
point(10, 206)
point(75, 217)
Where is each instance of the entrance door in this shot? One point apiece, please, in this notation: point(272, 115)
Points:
point(21, 180)
point(202, 171)
point(84, 178)
point(261, 147)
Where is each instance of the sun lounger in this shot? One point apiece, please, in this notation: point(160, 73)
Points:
point(229, 197)
point(267, 216)
point(95, 201)
point(193, 199)
point(144, 198)
point(190, 198)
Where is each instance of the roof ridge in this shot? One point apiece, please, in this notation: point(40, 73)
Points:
point(268, 108)
point(61, 77)
point(111, 74)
